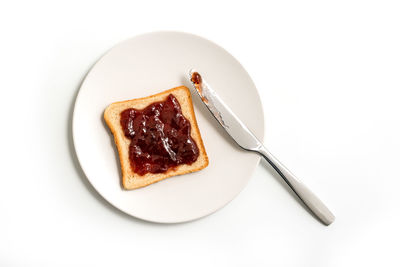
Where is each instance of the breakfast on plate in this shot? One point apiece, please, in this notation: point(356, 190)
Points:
point(157, 137)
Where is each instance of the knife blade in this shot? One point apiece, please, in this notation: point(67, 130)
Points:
point(248, 141)
point(223, 114)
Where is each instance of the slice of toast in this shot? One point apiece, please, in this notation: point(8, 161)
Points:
point(112, 116)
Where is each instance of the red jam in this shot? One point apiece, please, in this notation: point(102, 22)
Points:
point(196, 78)
point(160, 137)
point(197, 81)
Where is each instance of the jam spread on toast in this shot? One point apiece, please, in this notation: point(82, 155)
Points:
point(160, 137)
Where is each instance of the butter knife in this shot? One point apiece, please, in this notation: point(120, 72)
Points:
point(247, 140)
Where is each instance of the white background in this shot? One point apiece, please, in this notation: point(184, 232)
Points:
point(328, 75)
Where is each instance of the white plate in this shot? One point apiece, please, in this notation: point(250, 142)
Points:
point(148, 64)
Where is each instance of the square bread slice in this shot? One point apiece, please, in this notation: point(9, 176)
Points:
point(112, 116)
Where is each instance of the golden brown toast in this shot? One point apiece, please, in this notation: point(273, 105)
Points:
point(112, 116)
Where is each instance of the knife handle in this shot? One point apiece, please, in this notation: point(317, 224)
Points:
point(305, 194)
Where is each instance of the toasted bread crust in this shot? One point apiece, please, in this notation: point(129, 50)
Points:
point(131, 180)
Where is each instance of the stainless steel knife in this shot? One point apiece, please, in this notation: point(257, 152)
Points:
point(246, 140)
